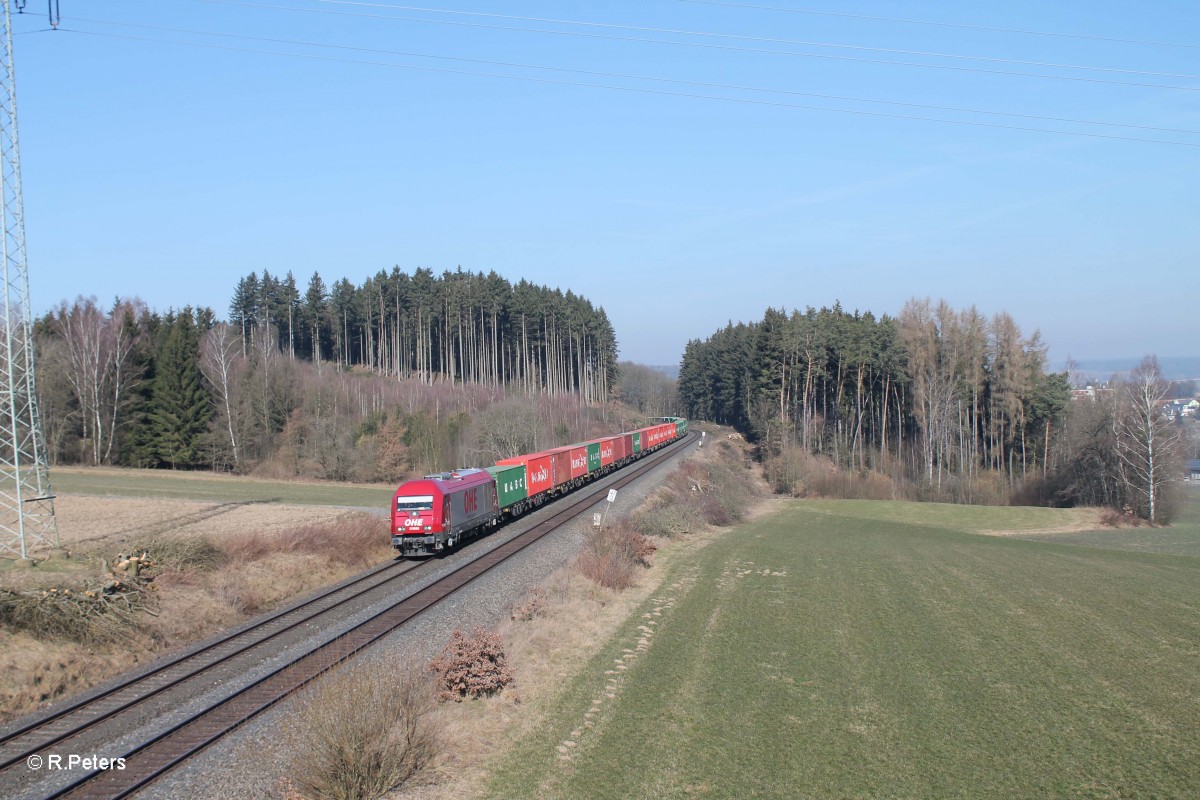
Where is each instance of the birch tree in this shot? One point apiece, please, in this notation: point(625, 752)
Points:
point(219, 357)
point(1147, 443)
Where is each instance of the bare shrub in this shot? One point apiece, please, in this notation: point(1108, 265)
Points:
point(714, 511)
point(531, 606)
point(1120, 518)
point(361, 732)
point(611, 555)
point(667, 519)
point(607, 568)
point(719, 490)
point(471, 665)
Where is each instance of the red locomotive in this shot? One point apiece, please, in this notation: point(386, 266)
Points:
point(436, 512)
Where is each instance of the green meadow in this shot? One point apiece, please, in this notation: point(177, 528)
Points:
point(848, 649)
point(1182, 537)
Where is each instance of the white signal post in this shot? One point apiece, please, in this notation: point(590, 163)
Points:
point(612, 495)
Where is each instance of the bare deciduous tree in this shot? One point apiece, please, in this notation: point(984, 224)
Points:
point(649, 391)
point(508, 428)
point(220, 354)
point(1147, 443)
point(102, 373)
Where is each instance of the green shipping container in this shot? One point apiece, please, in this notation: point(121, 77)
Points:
point(637, 441)
point(680, 426)
point(510, 484)
point(593, 457)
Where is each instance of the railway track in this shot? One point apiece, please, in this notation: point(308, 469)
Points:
point(151, 759)
point(68, 723)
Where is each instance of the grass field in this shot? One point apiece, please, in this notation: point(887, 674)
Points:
point(1180, 538)
point(215, 488)
point(854, 650)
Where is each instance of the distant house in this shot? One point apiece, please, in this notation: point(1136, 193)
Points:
point(1180, 407)
point(1193, 469)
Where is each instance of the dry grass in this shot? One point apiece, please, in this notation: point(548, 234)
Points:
point(359, 732)
point(38, 671)
point(354, 540)
point(198, 585)
point(533, 605)
point(121, 520)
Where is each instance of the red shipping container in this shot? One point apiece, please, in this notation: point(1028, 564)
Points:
point(650, 437)
point(539, 476)
point(579, 466)
point(626, 444)
point(660, 434)
point(560, 465)
point(608, 450)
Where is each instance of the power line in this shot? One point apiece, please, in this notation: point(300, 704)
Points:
point(637, 90)
point(745, 38)
point(702, 45)
point(629, 76)
point(958, 25)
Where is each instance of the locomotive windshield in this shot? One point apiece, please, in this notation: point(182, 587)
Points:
point(422, 502)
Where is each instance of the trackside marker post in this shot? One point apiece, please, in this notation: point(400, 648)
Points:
point(612, 495)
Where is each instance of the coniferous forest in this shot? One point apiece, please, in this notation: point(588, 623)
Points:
point(935, 403)
point(402, 373)
point(459, 326)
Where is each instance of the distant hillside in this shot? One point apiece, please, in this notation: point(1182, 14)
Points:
point(670, 370)
point(1177, 368)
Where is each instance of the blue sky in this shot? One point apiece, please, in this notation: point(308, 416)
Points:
point(156, 168)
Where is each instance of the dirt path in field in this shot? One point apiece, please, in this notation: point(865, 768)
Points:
point(1081, 519)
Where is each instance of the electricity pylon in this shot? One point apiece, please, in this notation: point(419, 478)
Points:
point(26, 502)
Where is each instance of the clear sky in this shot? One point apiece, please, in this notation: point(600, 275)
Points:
point(157, 168)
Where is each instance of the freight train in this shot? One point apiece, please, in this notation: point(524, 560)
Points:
point(438, 512)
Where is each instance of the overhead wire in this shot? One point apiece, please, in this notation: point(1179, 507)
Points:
point(941, 24)
point(633, 89)
point(701, 45)
point(629, 76)
point(745, 38)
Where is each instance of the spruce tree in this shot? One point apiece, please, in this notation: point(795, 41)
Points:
point(180, 408)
